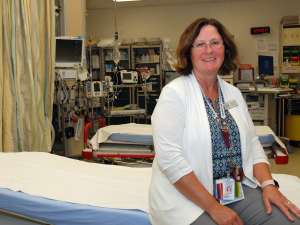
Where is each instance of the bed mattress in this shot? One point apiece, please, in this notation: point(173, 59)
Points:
point(67, 213)
point(69, 191)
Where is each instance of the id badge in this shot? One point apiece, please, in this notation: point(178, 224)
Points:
point(227, 190)
point(231, 104)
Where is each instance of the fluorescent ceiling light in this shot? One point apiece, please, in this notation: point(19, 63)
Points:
point(126, 0)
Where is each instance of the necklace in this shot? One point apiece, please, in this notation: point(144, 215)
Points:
point(221, 120)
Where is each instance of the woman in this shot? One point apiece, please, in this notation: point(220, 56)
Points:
point(202, 134)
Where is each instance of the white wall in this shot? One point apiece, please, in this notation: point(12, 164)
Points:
point(74, 17)
point(170, 21)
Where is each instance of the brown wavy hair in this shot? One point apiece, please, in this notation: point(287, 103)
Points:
point(184, 62)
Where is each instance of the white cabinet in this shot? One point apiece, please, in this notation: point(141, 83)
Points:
point(257, 107)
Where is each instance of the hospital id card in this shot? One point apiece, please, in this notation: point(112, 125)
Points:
point(227, 190)
point(230, 104)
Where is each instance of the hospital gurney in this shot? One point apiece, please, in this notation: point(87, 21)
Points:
point(58, 190)
point(63, 191)
point(129, 140)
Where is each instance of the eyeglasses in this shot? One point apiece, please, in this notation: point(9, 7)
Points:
point(214, 44)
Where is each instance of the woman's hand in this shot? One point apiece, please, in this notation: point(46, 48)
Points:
point(271, 195)
point(223, 215)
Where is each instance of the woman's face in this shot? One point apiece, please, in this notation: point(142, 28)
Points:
point(207, 53)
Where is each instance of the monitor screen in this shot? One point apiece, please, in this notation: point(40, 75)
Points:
point(127, 76)
point(265, 65)
point(96, 86)
point(69, 52)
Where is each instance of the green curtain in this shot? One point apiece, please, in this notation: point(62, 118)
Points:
point(27, 74)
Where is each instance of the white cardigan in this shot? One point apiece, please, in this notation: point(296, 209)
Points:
point(183, 144)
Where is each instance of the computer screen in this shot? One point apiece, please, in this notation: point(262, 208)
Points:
point(265, 65)
point(69, 51)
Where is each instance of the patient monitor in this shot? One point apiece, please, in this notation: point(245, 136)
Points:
point(128, 77)
point(97, 89)
point(94, 89)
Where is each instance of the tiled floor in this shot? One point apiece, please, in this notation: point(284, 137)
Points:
point(293, 166)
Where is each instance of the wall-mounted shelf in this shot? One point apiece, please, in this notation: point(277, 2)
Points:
point(290, 49)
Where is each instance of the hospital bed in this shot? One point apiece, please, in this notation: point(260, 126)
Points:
point(42, 188)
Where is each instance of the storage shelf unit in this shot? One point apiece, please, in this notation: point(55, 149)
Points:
point(108, 63)
point(290, 49)
point(147, 59)
point(94, 62)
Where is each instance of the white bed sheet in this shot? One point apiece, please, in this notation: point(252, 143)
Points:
point(104, 133)
point(289, 186)
point(70, 180)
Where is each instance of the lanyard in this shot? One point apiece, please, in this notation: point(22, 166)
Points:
point(221, 121)
point(221, 104)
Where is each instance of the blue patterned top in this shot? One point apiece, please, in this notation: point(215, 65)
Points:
point(220, 153)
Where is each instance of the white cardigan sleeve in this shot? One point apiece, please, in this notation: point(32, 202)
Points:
point(168, 122)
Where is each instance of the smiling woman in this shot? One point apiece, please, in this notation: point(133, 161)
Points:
point(207, 153)
point(189, 39)
point(207, 53)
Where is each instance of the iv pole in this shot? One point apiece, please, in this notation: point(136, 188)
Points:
point(116, 50)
